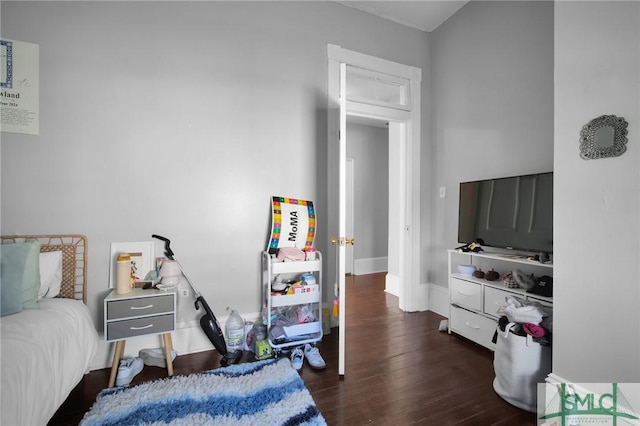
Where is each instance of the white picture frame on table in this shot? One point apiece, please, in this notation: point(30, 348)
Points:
point(142, 259)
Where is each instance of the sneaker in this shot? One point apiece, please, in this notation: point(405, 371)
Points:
point(313, 356)
point(127, 370)
point(155, 357)
point(297, 357)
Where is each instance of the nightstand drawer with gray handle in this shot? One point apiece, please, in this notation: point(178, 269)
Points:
point(117, 330)
point(138, 307)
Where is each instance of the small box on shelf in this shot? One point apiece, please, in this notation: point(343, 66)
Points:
point(303, 289)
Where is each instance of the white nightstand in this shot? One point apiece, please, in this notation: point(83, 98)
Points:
point(139, 313)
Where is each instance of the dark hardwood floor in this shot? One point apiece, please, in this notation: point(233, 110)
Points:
point(400, 370)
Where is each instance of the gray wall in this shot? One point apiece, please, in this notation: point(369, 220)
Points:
point(492, 79)
point(497, 112)
point(369, 147)
point(181, 118)
point(597, 202)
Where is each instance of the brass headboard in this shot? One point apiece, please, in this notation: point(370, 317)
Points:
point(74, 260)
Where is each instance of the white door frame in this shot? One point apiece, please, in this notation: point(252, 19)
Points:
point(411, 298)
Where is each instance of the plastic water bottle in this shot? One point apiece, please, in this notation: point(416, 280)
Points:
point(235, 332)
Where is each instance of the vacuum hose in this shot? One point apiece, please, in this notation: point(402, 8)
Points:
point(208, 321)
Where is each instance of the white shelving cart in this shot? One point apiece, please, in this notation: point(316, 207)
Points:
point(298, 334)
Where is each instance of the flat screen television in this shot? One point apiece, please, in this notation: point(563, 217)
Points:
point(511, 213)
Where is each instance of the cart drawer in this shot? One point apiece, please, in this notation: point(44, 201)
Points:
point(295, 299)
point(299, 329)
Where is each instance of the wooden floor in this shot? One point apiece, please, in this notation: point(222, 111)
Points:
point(400, 370)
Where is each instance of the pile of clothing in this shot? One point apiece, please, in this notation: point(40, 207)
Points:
point(526, 318)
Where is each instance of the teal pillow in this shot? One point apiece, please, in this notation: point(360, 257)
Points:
point(19, 277)
point(11, 271)
point(31, 277)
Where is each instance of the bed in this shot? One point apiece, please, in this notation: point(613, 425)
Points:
point(47, 347)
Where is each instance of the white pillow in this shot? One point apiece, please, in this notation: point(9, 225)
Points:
point(50, 274)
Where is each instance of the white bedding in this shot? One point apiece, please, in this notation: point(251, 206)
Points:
point(44, 354)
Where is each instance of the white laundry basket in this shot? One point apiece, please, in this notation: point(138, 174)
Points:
point(520, 364)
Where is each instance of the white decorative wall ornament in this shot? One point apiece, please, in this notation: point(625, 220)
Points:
point(602, 137)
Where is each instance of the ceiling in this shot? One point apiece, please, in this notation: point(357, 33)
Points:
point(425, 15)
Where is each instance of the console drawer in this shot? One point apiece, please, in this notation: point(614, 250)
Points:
point(543, 302)
point(467, 294)
point(494, 298)
point(473, 326)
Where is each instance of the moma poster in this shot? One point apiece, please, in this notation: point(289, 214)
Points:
point(293, 224)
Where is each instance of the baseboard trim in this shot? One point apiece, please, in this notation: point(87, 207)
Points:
point(439, 300)
point(438, 296)
point(392, 285)
point(554, 379)
point(370, 266)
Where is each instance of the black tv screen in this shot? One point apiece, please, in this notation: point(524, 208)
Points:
point(513, 212)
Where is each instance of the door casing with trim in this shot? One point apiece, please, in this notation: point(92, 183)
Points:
point(409, 210)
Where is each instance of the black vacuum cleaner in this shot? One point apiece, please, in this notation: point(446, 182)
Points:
point(208, 321)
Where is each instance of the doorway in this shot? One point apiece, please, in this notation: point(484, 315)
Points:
point(367, 196)
point(396, 99)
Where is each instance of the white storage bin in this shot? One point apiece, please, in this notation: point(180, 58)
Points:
point(520, 364)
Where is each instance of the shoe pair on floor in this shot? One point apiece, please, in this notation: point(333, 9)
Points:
point(155, 357)
point(311, 353)
point(131, 367)
point(128, 369)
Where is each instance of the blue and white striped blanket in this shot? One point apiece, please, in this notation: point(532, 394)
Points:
point(268, 392)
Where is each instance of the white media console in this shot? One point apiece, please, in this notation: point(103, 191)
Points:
point(474, 302)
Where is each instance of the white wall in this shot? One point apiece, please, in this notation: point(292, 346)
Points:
point(369, 147)
point(180, 118)
point(597, 202)
point(492, 79)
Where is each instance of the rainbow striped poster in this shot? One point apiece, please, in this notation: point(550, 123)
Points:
point(293, 224)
